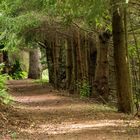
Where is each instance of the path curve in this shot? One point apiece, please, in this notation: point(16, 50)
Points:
point(57, 117)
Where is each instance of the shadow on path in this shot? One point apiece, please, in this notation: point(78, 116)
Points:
point(57, 117)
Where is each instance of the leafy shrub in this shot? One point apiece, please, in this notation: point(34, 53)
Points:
point(19, 75)
point(4, 96)
point(16, 71)
point(84, 88)
point(2, 65)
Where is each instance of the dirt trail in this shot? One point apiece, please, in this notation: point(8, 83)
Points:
point(57, 117)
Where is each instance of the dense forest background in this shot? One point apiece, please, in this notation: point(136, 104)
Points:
point(89, 48)
point(69, 67)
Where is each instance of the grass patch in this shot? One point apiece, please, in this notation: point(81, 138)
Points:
point(41, 81)
point(103, 108)
point(44, 78)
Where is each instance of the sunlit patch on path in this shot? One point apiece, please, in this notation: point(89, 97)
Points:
point(57, 117)
point(100, 125)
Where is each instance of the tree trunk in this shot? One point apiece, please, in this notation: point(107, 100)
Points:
point(56, 49)
point(92, 56)
point(73, 88)
point(68, 64)
point(1, 57)
point(79, 57)
point(84, 54)
point(34, 64)
point(102, 68)
point(6, 68)
point(49, 59)
point(124, 88)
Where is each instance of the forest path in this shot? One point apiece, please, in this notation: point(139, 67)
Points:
point(54, 116)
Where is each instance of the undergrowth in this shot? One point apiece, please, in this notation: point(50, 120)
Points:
point(84, 88)
point(41, 81)
point(16, 71)
point(4, 96)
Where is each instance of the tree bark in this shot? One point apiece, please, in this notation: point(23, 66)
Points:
point(49, 59)
point(79, 57)
point(69, 63)
point(74, 87)
point(1, 57)
point(124, 88)
point(92, 56)
point(34, 64)
point(102, 68)
point(56, 50)
point(84, 54)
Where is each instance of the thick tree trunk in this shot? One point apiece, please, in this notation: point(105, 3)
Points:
point(102, 68)
point(124, 88)
point(34, 64)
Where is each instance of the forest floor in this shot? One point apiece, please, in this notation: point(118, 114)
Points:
point(41, 113)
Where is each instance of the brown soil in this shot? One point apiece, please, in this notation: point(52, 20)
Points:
point(41, 113)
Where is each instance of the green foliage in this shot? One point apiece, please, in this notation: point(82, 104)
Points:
point(1, 67)
point(16, 71)
point(41, 81)
point(14, 28)
point(45, 78)
point(19, 15)
point(81, 11)
point(84, 88)
point(13, 135)
point(19, 75)
point(4, 96)
point(45, 75)
point(133, 49)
